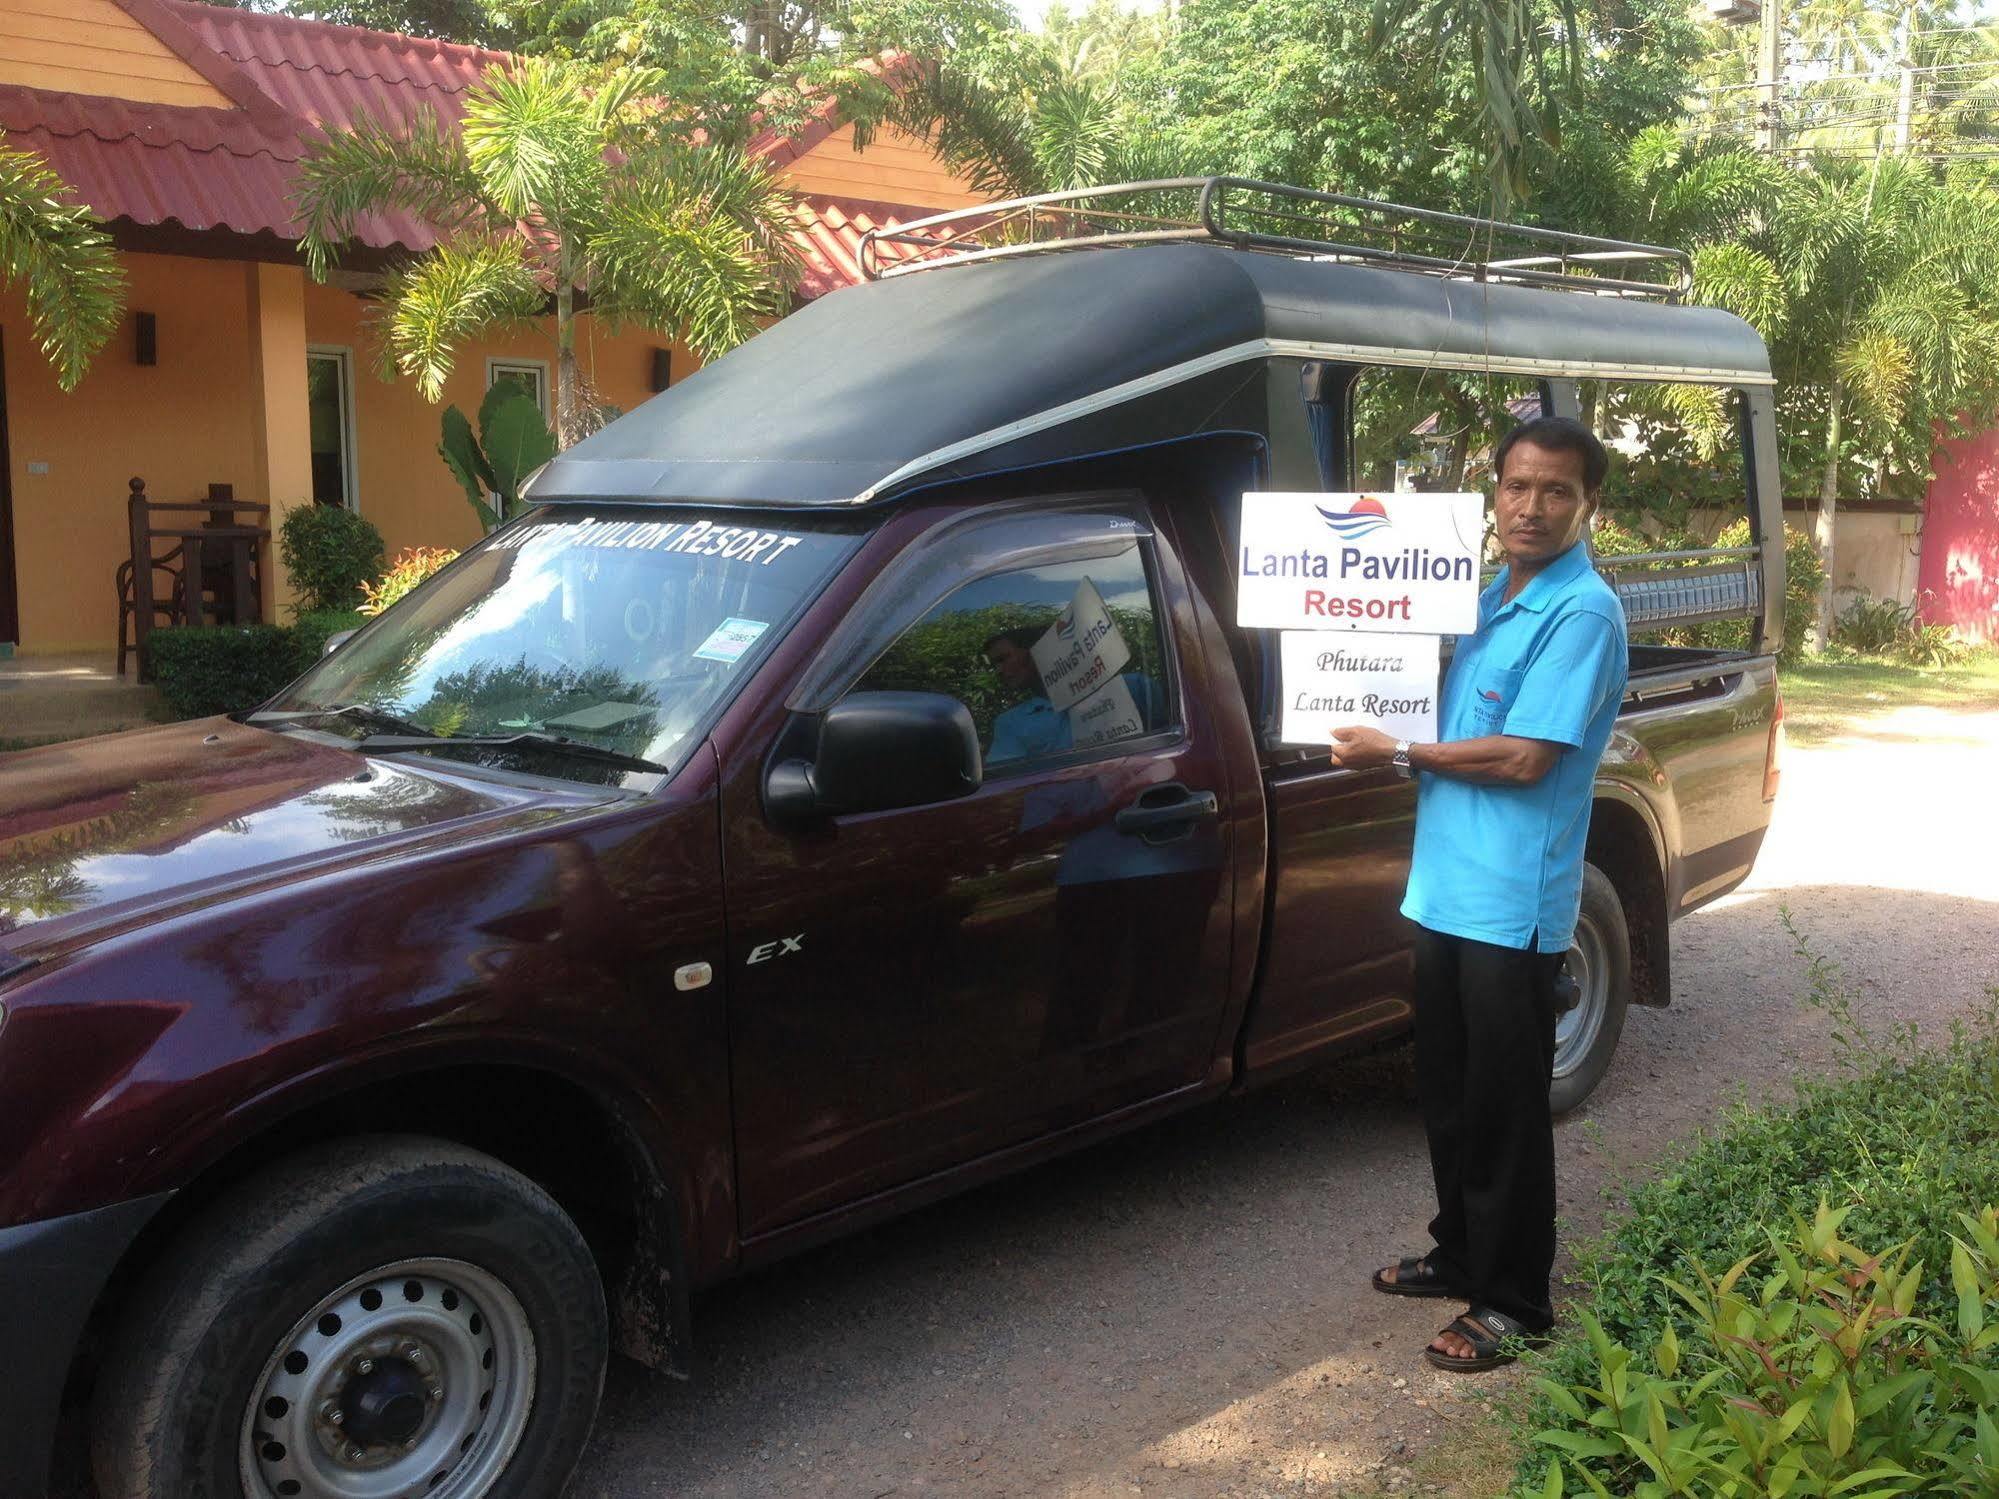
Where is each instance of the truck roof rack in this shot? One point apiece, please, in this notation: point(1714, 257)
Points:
point(1268, 216)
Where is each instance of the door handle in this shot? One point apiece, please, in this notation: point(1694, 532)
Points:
point(1171, 810)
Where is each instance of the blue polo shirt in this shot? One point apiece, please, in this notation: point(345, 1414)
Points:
point(1502, 864)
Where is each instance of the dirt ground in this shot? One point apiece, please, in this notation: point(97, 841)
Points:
point(1185, 1312)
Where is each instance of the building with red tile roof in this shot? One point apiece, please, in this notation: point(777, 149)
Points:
point(181, 125)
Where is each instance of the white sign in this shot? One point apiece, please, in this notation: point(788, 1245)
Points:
point(1337, 679)
point(1109, 713)
point(1402, 563)
point(1081, 651)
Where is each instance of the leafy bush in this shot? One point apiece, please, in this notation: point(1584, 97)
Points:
point(329, 554)
point(1819, 1378)
point(1901, 1142)
point(227, 668)
point(312, 631)
point(1932, 645)
point(411, 567)
point(221, 668)
point(1873, 626)
point(514, 440)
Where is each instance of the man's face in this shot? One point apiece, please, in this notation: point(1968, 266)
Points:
point(1014, 664)
point(1541, 508)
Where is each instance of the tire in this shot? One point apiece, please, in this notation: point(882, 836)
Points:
point(381, 1316)
point(1600, 961)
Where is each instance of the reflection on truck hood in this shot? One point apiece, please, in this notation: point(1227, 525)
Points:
point(97, 833)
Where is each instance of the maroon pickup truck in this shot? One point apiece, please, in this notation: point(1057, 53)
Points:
point(685, 875)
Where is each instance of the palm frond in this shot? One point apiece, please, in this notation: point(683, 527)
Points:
point(74, 286)
point(533, 140)
point(663, 259)
point(418, 166)
point(1877, 370)
point(1743, 280)
point(980, 132)
point(457, 291)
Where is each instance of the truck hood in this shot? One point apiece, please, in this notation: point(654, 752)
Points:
point(97, 835)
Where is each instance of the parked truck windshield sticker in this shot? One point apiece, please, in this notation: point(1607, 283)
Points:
point(731, 638)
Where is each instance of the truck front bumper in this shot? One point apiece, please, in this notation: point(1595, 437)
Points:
point(51, 1273)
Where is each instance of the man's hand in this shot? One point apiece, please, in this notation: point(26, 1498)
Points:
point(1361, 749)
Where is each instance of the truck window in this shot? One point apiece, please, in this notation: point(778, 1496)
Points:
point(1678, 474)
point(1434, 429)
point(1052, 660)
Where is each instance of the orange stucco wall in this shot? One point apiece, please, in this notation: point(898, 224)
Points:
point(202, 416)
point(404, 487)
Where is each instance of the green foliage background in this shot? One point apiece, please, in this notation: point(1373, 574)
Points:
point(329, 552)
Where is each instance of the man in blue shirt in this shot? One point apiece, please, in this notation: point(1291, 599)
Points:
point(1495, 881)
point(1036, 727)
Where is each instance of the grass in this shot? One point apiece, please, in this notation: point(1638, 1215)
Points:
point(1823, 698)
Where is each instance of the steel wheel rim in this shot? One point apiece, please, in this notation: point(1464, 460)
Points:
point(1589, 966)
point(330, 1416)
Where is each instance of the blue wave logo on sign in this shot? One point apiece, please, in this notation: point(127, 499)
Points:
point(1367, 516)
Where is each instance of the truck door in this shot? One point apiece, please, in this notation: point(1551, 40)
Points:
point(912, 989)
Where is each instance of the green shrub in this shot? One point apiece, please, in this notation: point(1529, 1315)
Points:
point(1806, 1371)
point(329, 553)
point(312, 631)
point(1901, 1140)
point(1873, 626)
point(221, 668)
point(1931, 645)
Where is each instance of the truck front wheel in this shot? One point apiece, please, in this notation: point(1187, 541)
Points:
point(1600, 963)
point(382, 1317)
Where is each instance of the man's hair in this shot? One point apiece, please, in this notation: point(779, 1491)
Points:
point(1558, 434)
point(1023, 636)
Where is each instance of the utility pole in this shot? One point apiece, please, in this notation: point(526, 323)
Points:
point(1769, 75)
point(1905, 93)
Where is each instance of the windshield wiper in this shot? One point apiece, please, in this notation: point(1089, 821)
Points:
point(365, 713)
point(576, 749)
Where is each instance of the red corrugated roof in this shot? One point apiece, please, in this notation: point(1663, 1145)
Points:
point(230, 169)
point(829, 234)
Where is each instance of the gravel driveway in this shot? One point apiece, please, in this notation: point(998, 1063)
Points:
point(1185, 1311)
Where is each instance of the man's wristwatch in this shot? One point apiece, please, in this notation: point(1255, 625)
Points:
point(1401, 761)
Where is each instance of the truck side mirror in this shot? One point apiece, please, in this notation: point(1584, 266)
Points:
point(878, 751)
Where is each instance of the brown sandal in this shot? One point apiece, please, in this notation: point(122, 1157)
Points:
point(1414, 1276)
point(1494, 1338)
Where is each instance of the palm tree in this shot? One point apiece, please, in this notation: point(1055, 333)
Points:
point(1051, 120)
point(74, 285)
point(1874, 282)
point(565, 184)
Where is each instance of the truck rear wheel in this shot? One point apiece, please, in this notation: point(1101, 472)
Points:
point(1600, 962)
point(379, 1318)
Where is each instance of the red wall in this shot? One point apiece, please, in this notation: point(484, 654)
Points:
point(1958, 581)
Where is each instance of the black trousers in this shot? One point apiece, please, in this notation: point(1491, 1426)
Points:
point(1485, 1054)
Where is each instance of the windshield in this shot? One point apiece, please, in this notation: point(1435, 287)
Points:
point(624, 628)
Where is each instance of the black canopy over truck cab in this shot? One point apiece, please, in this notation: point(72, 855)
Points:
point(693, 870)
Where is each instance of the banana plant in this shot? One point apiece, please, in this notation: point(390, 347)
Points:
point(514, 440)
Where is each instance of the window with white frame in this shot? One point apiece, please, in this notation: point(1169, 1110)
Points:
point(329, 385)
point(530, 374)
